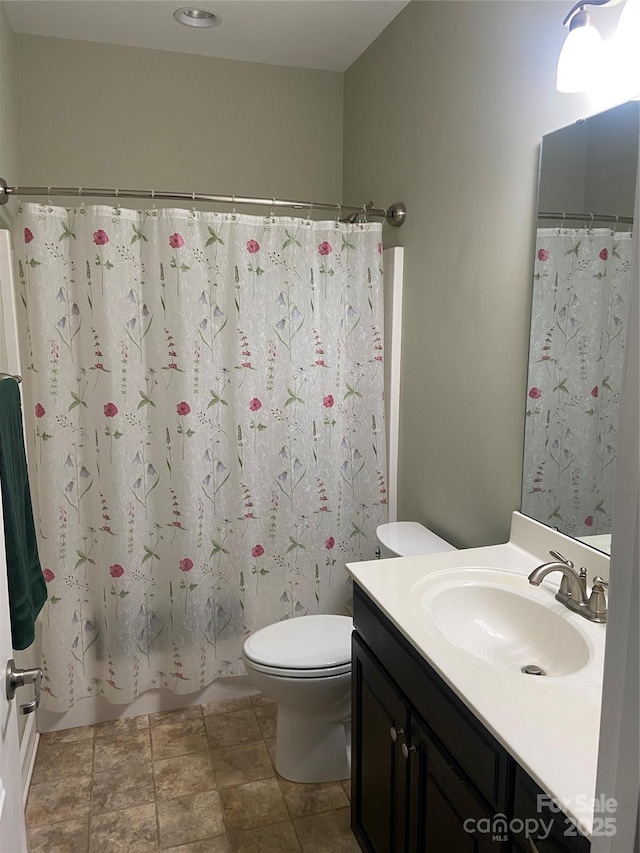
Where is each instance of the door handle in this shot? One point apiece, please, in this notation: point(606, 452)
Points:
point(18, 678)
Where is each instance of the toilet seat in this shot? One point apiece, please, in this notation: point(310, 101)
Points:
point(304, 647)
point(282, 672)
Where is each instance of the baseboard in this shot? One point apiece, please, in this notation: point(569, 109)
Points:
point(28, 749)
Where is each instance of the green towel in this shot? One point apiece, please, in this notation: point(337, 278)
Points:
point(27, 589)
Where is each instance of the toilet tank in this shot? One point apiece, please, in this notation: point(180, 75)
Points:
point(409, 539)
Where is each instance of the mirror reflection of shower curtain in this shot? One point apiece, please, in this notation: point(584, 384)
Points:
point(580, 302)
point(205, 398)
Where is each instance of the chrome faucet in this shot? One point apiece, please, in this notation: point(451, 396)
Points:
point(573, 588)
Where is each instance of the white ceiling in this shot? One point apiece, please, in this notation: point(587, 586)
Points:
point(324, 34)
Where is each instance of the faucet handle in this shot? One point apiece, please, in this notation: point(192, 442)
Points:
point(558, 556)
point(597, 600)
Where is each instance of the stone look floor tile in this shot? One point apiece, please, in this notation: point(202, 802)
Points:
point(304, 800)
point(66, 798)
point(226, 706)
point(60, 759)
point(270, 743)
point(67, 735)
point(161, 718)
point(267, 716)
point(232, 729)
point(346, 785)
point(128, 786)
point(192, 818)
point(184, 774)
point(275, 838)
point(172, 739)
point(123, 726)
point(253, 804)
point(327, 833)
point(133, 830)
point(117, 753)
point(72, 836)
point(219, 844)
point(236, 765)
point(168, 781)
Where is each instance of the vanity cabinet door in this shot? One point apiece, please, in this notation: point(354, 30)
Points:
point(553, 832)
point(443, 808)
point(378, 770)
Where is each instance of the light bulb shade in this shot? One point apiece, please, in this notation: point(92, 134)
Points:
point(580, 61)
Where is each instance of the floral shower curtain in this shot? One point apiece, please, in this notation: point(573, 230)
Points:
point(579, 316)
point(205, 398)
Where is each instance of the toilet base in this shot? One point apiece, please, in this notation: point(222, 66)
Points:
point(309, 750)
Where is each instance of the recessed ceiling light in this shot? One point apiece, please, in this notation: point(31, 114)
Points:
point(191, 17)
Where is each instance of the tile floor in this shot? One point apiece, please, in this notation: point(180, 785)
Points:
point(197, 780)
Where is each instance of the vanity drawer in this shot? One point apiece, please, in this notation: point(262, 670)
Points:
point(465, 740)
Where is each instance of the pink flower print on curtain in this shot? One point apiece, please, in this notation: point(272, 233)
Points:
point(581, 291)
point(199, 471)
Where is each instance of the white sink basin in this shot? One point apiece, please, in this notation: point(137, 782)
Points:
point(498, 617)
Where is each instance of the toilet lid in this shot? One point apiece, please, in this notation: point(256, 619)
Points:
point(306, 642)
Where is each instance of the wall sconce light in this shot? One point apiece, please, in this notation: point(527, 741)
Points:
point(587, 64)
point(581, 57)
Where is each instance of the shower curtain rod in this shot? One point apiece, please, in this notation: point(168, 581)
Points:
point(394, 215)
point(589, 217)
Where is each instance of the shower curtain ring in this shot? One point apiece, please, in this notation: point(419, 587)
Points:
point(615, 225)
point(153, 197)
point(364, 213)
point(591, 221)
point(233, 209)
point(273, 202)
point(338, 213)
point(49, 196)
point(309, 211)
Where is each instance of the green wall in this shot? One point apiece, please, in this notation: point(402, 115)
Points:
point(101, 115)
point(8, 137)
point(445, 112)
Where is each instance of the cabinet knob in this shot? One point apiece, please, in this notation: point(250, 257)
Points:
point(405, 750)
point(395, 733)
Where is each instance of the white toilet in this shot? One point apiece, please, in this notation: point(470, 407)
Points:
point(304, 665)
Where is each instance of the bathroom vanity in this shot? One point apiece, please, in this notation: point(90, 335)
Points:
point(454, 748)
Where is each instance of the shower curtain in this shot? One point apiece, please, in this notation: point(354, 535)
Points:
point(205, 403)
point(581, 293)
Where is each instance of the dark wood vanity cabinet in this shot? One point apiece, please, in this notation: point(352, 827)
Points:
point(425, 771)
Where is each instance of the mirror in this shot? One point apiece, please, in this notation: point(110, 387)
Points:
point(580, 306)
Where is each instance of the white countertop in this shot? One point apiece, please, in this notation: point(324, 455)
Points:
point(550, 725)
